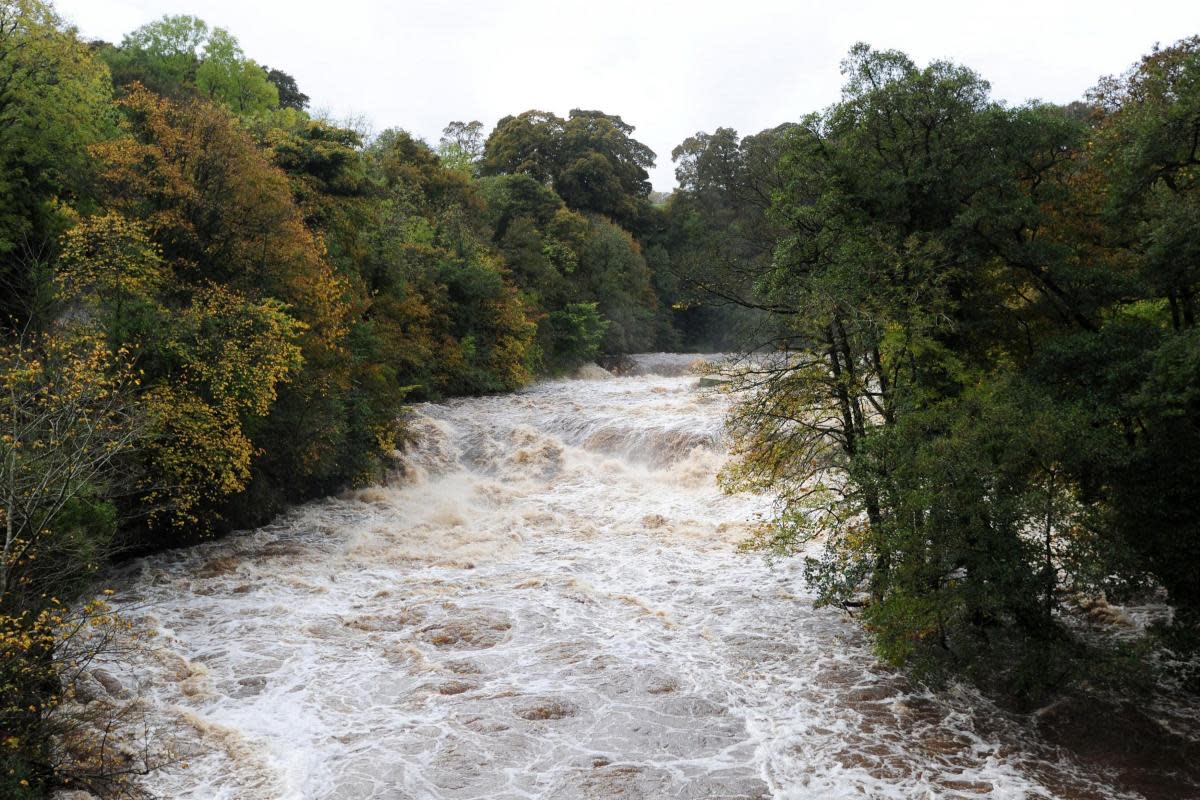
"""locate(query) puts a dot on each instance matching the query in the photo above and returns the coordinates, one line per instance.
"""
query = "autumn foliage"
(216, 305)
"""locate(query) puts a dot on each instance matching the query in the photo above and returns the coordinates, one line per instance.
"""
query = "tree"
(246, 276)
(290, 95)
(180, 55)
(913, 270)
(162, 55)
(225, 356)
(72, 420)
(53, 99)
(70, 417)
(525, 144)
(1142, 182)
(612, 270)
(218, 209)
(602, 167)
(443, 282)
(590, 159)
(461, 145)
(720, 236)
(227, 76)
(577, 334)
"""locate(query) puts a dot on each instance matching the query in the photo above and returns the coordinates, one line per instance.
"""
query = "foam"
(546, 599)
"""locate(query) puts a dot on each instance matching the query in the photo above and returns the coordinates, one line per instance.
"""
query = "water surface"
(548, 602)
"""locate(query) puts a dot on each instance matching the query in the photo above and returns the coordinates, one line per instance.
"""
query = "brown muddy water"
(548, 603)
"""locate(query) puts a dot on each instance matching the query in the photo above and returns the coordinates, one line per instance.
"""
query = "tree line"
(216, 303)
(975, 377)
(978, 393)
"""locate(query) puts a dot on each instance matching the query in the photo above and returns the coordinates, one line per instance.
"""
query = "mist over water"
(547, 601)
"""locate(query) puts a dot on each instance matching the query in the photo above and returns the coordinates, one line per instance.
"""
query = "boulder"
(592, 372)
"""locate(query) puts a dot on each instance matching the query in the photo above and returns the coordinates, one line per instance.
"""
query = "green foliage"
(576, 333)
(611, 268)
(461, 146)
(989, 362)
(161, 55)
(178, 55)
(590, 159)
(290, 95)
(54, 102)
(569, 200)
(227, 76)
(443, 283)
(719, 235)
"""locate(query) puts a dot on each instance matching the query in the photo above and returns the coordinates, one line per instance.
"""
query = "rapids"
(545, 601)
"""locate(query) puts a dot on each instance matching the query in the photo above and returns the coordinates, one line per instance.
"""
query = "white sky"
(669, 68)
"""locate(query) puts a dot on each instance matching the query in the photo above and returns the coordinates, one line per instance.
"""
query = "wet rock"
(374, 623)
(111, 684)
(546, 710)
(969, 787)
(484, 725)
(870, 694)
(662, 686)
(467, 634)
(591, 372)
(945, 745)
(221, 565)
(278, 550)
(455, 687)
(86, 688)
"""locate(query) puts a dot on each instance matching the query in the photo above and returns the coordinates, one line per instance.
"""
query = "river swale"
(547, 602)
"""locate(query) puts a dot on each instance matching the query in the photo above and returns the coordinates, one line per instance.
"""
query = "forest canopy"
(972, 361)
(981, 394)
(248, 295)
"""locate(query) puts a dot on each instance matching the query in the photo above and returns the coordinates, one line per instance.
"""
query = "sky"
(668, 68)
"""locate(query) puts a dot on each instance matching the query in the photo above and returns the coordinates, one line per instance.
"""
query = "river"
(546, 602)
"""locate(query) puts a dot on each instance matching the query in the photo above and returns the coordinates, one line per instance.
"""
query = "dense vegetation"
(216, 303)
(983, 391)
(977, 378)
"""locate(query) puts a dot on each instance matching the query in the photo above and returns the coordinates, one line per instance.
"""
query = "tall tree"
(290, 95)
(162, 55)
(227, 76)
(912, 270)
(461, 145)
(590, 159)
(53, 104)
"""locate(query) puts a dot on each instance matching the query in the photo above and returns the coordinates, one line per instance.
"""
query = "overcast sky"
(669, 68)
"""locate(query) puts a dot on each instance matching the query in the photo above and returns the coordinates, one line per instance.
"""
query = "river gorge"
(547, 600)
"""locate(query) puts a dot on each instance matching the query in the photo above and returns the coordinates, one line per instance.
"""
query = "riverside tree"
(985, 348)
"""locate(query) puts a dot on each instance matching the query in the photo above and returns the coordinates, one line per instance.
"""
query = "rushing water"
(546, 602)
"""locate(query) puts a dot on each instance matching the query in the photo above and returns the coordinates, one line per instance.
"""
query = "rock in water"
(592, 372)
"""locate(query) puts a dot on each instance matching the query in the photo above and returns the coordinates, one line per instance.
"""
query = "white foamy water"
(547, 603)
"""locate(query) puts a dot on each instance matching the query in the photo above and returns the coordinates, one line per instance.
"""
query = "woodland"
(970, 360)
